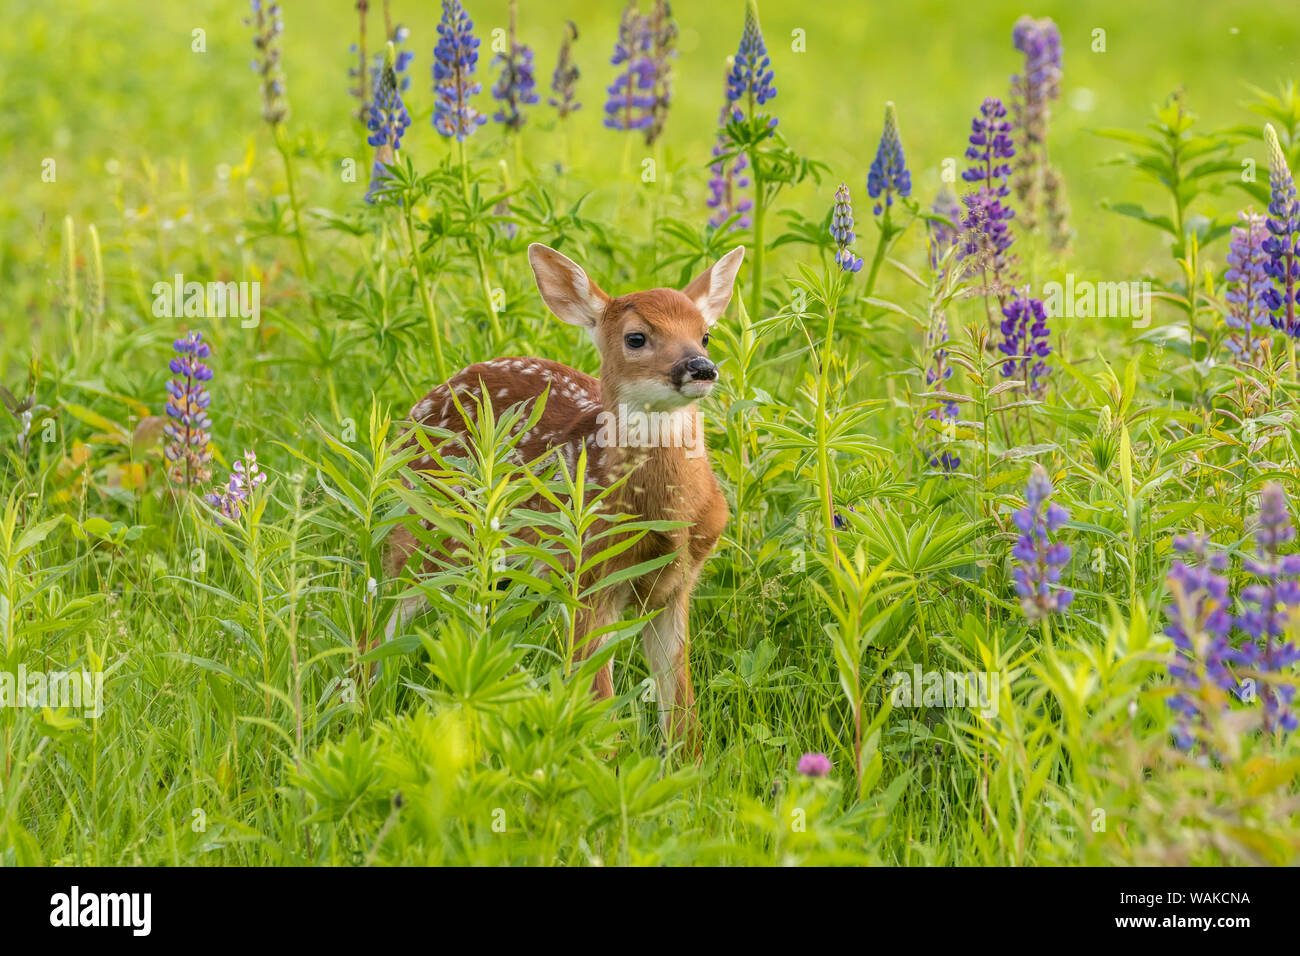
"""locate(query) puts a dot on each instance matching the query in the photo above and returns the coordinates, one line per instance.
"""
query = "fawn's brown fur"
(653, 362)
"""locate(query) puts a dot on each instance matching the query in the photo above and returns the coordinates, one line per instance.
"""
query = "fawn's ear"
(711, 289)
(565, 288)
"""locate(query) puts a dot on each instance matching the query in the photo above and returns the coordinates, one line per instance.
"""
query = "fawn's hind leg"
(667, 644)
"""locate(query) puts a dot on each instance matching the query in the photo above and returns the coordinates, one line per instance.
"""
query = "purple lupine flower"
(1033, 89)
(663, 48)
(943, 236)
(632, 94)
(842, 231)
(455, 59)
(1283, 244)
(516, 87)
(990, 148)
(888, 175)
(245, 476)
(564, 81)
(751, 70)
(815, 765)
(268, 25)
(1200, 624)
(1025, 332)
(1247, 279)
(387, 119)
(401, 66)
(937, 374)
(1266, 607)
(188, 431)
(1039, 559)
(727, 178)
(986, 236)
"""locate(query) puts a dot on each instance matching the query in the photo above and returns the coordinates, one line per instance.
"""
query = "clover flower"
(888, 174)
(1283, 244)
(631, 100)
(1247, 280)
(1025, 332)
(1040, 559)
(564, 81)
(188, 431)
(842, 231)
(726, 179)
(268, 26)
(387, 120)
(245, 476)
(815, 765)
(751, 70)
(455, 59)
(516, 87)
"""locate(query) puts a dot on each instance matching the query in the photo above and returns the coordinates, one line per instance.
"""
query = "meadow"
(1005, 424)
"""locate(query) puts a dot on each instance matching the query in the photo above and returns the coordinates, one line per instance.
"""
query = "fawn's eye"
(706, 340)
(634, 340)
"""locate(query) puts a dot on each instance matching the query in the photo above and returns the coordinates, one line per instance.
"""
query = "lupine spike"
(888, 175)
(1025, 334)
(842, 231)
(1283, 243)
(516, 87)
(188, 431)
(631, 99)
(455, 59)
(1247, 280)
(268, 27)
(245, 477)
(564, 81)
(751, 69)
(1039, 559)
(387, 120)
(728, 177)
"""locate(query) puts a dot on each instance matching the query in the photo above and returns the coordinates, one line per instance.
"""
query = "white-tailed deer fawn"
(654, 366)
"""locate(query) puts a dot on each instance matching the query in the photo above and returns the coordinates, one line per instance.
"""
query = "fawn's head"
(653, 345)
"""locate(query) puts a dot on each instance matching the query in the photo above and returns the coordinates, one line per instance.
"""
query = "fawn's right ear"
(565, 288)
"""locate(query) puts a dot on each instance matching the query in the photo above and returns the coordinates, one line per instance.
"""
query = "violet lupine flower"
(1283, 243)
(1266, 606)
(842, 231)
(1039, 559)
(1024, 331)
(1034, 88)
(268, 26)
(943, 236)
(663, 48)
(1200, 624)
(245, 476)
(387, 120)
(632, 94)
(815, 765)
(888, 175)
(455, 59)
(564, 81)
(516, 87)
(986, 235)
(401, 66)
(727, 179)
(188, 432)
(1247, 279)
(751, 70)
(937, 374)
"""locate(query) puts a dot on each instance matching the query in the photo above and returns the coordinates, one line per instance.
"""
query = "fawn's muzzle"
(697, 368)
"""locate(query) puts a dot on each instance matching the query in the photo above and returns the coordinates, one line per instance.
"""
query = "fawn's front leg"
(667, 645)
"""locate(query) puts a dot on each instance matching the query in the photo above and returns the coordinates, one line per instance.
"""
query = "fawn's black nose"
(701, 369)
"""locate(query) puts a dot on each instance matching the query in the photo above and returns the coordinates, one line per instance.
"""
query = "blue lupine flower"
(401, 66)
(516, 87)
(726, 179)
(1247, 280)
(1025, 332)
(387, 119)
(564, 81)
(888, 175)
(842, 231)
(188, 431)
(1040, 82)
(663, 48)
(751, 70)
(1040, 559)
(632, 94)
(245, 476)
(1283, 243)
(455, 59)
(268, 25)
(984, 226)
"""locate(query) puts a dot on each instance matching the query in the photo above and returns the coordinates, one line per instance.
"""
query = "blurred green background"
(114, 85)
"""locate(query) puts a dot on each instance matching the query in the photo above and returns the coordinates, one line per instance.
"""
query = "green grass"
(234, 728)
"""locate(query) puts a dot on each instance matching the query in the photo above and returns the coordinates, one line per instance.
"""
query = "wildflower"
(187, 406)
(751, 70)
(987, 237)
(663, 41)
(387, 119)
(1266, 604)
(1039, 559)
(455, 59)
(517, 85)
(632, 95)
(1037, 183)
(268, 26)
(1284, 236)
(1024, 330)
(564, 80)
(368, 80)
(842, 231)
(1247, 279)
(726, 178)
(888, 174)
(943, 235)
(990, 147)
(815, 765)
(245, 476)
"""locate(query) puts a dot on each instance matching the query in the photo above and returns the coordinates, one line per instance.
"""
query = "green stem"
(283, 147)
(478, 251)
(417, 264)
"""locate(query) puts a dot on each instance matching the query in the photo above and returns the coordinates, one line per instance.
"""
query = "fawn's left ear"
(711, 289)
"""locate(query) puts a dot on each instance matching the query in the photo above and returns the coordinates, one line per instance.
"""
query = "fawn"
(653, 363)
